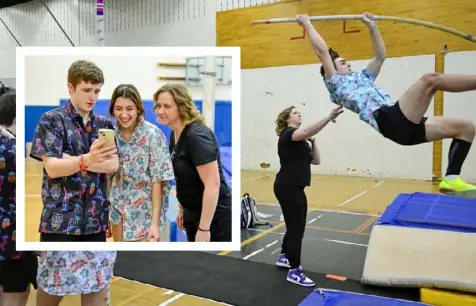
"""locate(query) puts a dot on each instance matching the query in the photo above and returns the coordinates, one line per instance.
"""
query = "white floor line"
(178, 296)
(378, 184)
(272, 243)
(137, 282)
(260, 250)
(275, 251)
(346, 242)
(255, 178)
(253, 254)
(315, 219)
(327, 210)
(353, 198)
(169, 292)
(348, 212)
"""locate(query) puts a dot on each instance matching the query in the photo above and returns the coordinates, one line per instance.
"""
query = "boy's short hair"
(84, 71)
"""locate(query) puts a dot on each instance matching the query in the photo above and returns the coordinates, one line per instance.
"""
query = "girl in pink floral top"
(140, 190)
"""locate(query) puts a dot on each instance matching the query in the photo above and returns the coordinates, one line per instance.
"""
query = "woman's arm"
(157, 194)
(210, 177)
(203, 151)
(311, 130)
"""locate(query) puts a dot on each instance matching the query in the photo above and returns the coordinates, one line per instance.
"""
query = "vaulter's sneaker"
(454, 185)
(296, 276)
(282, 261)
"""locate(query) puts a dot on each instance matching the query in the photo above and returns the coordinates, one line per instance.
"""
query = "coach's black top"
(295, 158)
(196, 146)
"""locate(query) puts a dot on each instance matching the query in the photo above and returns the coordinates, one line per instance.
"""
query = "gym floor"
(341, 213)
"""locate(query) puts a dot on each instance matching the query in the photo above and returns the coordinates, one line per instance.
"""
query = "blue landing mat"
(431, 211)
(341, 298)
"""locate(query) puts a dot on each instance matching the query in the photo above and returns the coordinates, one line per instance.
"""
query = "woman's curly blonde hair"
(187, 109)
(282, 120)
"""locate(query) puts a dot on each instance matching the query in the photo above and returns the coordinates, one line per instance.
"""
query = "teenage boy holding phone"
(75, 204)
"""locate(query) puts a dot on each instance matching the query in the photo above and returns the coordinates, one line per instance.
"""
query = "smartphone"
(108, 135)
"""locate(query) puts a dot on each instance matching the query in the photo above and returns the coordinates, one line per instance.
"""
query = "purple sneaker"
(296, 276)
(282, 261)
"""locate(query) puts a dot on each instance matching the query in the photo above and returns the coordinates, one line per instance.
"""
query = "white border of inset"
(22, 52)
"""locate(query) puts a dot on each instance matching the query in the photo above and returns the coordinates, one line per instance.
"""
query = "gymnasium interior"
(378, 230)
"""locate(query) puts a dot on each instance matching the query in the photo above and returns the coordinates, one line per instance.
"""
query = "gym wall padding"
(222, 118)
(225, 153)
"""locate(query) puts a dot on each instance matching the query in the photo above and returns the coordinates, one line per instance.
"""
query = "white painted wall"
(139, 71)
(461, 105)
(348, 147)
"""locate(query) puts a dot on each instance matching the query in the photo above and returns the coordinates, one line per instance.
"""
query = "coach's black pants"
(220, 229)
(293, 202)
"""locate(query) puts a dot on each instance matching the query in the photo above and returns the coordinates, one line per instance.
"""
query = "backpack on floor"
(249, 212)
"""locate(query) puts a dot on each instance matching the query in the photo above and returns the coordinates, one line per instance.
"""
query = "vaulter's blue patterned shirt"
(357, 92)
(77, 204)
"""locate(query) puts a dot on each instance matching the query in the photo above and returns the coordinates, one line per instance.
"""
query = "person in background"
(17, 269)
(140, 190)
(297, 151)
(76, 208)
(203, 194)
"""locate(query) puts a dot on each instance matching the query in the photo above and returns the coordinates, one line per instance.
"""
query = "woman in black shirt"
(296, 152)
(203, 194)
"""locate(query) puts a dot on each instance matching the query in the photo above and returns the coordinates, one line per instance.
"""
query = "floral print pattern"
(143, 160)
(75, 272)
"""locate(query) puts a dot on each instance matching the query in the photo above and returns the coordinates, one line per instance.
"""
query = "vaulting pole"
(431, 25)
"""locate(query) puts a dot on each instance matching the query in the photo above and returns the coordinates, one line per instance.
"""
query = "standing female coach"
(203, 194)
(296, 157)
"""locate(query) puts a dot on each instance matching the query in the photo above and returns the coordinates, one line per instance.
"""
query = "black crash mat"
(231, 280)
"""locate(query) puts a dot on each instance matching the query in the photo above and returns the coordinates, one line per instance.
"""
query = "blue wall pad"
(176, 235)
(431, 211)
(225, 153)
(222, 118)
(32, 117)
(341, 298)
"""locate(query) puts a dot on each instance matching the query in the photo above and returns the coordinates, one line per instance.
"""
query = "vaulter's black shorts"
(395, 126)
(16, 275)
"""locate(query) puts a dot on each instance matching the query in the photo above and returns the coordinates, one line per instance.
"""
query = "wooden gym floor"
(340, 193)
(129, 293)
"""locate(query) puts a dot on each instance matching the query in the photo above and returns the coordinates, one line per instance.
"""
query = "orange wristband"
(81, 164)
